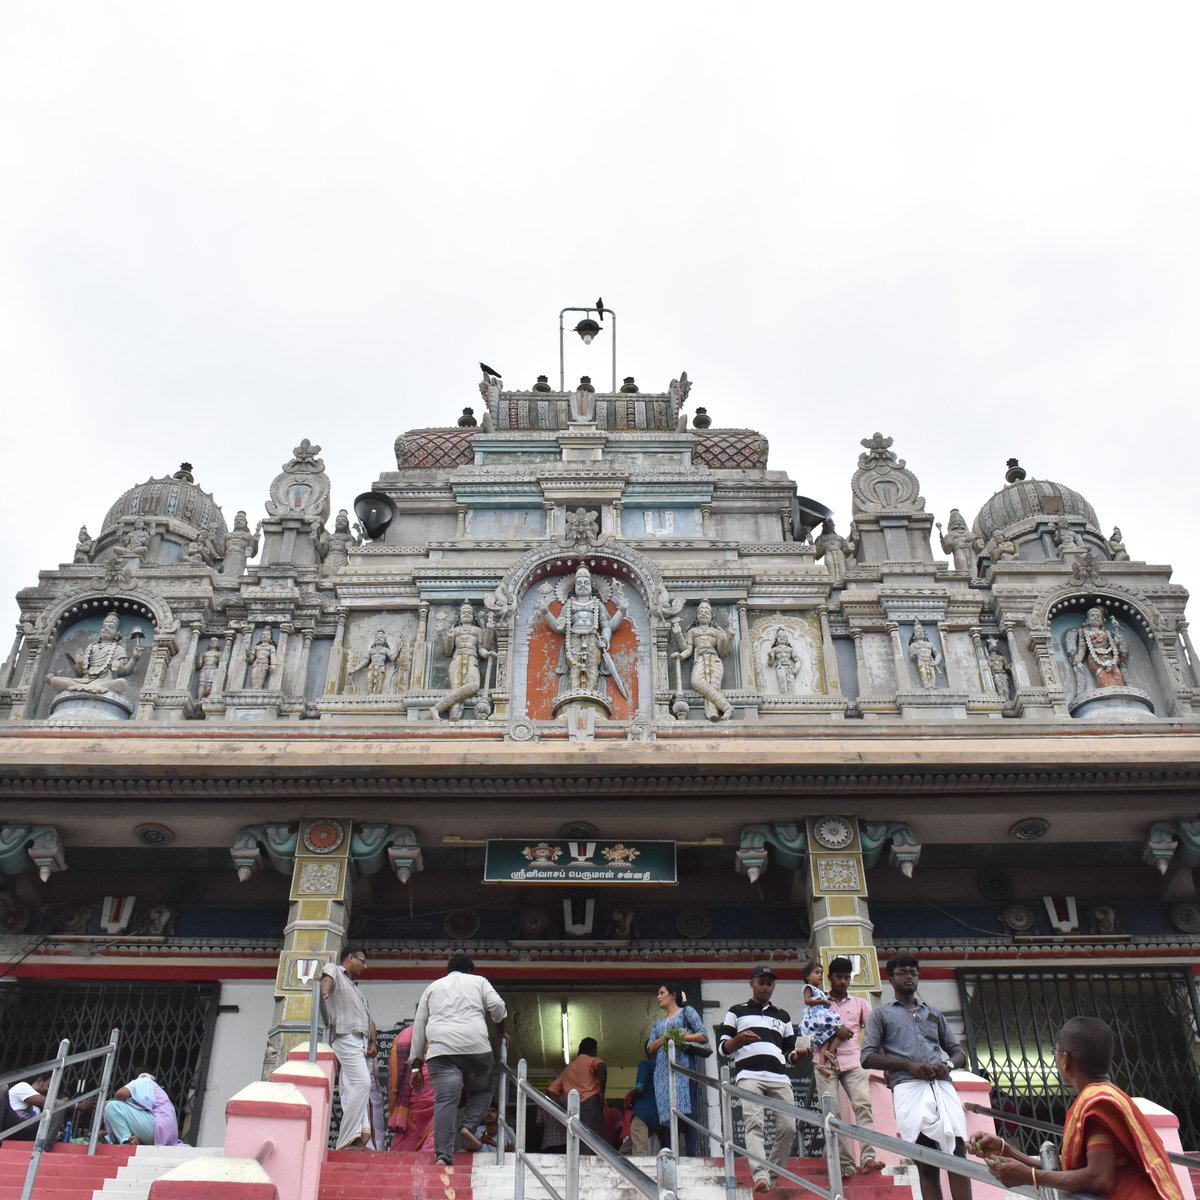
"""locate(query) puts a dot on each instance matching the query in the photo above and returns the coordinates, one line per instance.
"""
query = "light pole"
(587, 329)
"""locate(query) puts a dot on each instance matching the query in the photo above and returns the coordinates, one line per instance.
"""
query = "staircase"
(68, 1172)
(362, 1175)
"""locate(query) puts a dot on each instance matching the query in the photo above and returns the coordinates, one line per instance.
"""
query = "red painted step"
(66, 1172)
(371, 1175)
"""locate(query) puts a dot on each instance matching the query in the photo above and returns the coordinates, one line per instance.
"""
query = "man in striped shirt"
(760, 1039)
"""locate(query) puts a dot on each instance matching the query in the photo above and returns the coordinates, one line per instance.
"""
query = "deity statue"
(998, 665)
(925, 656)
(1092, 647)
(262, 660)
(208, 663)
(104, 663)
(705, 643)
(376, 660)
(958, 542)
(240, 545)
(1116, 546)
(137, 539)
(201, 549)
(587, 629)
(466, 643)
(338, 544)
(834, 549)
(781, 657)
(84, 546)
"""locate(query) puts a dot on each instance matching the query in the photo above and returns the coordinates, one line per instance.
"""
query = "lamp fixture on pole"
(587, 329)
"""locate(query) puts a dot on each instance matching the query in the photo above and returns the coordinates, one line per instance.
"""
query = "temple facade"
(588, 688)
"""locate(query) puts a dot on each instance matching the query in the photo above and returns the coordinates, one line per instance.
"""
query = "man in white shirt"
(352, 1036)
(450, 1036)
(26, 1100)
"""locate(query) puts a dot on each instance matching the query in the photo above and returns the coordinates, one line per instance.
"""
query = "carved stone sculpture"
(104, 664)
(208, 665)
(376, 661)
(262, 660)
(958, 542)
(705, 643)
(137, 539)
(1092, 647)
(925, 656)
(781, 658)
(587, 628)
(998, 666)
(338, 544)
(1116, 546)
(466, 643)
(201, 549)
(240, 545)
(834, 549)
(84, 546)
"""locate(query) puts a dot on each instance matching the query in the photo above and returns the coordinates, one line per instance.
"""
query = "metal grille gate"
(166, 1029)
(1011, 1018)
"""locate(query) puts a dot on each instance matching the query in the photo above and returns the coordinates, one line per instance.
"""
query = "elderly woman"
(141, 1114)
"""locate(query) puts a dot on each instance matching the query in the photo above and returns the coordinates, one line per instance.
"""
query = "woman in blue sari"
(677, 1014)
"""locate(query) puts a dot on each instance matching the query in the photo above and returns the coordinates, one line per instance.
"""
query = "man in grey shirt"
(911, 1041)
(352, 1036)
(450, 1036)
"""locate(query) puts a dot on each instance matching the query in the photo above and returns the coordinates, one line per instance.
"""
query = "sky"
(226, 227)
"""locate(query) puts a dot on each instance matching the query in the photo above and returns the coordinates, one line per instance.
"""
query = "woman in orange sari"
(410, 1114)
(1109, 1148)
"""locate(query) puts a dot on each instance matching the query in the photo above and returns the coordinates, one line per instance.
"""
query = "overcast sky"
(226, 227)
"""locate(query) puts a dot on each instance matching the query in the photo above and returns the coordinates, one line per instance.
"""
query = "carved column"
(10, 664)
(183, 679)
(501, 692)
(706, 526)
(860, 663)
(420, 649)
(785, 520)
(333, 673)
(318, 917)
(618, 511)
(223, 674)
(838, 913)
(302, 669)
(833, 682)
(1181, 628)
(745, 651)
(34, 645)
(1020, 675)
(985, 672)
(550, 521)
(1039, 643)
(275, 681)
(461, 513)
(953, 679)
(903, 680)
(236, 673)
(162, 646)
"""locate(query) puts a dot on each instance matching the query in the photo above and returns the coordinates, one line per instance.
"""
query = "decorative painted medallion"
(834, 833)
(324, 837)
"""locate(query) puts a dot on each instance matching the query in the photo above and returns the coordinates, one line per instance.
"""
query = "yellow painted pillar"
(837, 900)
(316, 930)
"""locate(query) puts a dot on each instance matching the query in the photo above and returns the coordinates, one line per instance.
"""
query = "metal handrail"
(661, 1189)
(1177, 1157)
(833, 1127)
(52, 1108)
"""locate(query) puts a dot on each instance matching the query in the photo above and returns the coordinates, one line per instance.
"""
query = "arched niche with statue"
(583, 634)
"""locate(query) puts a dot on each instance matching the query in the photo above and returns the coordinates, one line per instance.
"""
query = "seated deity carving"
(104, 664)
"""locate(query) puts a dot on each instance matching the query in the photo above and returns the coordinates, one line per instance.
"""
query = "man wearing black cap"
(760, 1039)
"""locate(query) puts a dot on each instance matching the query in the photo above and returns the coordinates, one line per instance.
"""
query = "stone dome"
(170, 498)
(1024, 499)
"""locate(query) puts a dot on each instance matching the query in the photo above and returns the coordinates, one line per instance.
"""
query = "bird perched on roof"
(490, 371)
(600, 307)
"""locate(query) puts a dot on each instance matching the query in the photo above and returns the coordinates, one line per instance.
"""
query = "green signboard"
(583, 862)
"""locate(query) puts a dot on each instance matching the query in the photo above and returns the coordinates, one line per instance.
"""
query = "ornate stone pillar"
(34, 644)
(745, 654)
(903, 680)
(549, 508)
(305, 651)
(460, 512)
(785, 521)
(236, 673)
(1040, 644)
(833, 681)
(954, 681)
(706, 527)
(223, 675)
(1020, 675)
(333, 673)
(183, 679)
(618, 511)
(10, 663)
(981, 664)
(420, 651)
(1181, 628)
(318, 917)
(860, 664)
(837, 898)
(275, 682)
